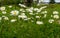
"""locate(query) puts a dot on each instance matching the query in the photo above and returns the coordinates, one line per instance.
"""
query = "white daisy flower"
(13, 20)
(6, 18)
(39, 22)
(51, 20)
(56, 16)
(35, 9)
(3, 12)
(55, 12)
(14, 12)
(29, 10)
(22, 16)
(31, 13)
(10, 6)
(44, 12)
(2, 8)
(22, 5)
(37, 16)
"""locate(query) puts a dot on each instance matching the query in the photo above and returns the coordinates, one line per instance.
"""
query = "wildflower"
(56, 16)
(13, 20)
(2, 8)
(55, 12)
(6, 18)
(10, 6)
(22, 5)
(14, 12)
(44, 12)
(37, 16)
(3, 12)
(51, 20)
(39, 22)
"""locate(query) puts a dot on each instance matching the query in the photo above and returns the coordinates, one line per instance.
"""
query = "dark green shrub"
(2, 2)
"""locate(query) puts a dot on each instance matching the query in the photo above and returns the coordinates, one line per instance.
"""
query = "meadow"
(37, 21)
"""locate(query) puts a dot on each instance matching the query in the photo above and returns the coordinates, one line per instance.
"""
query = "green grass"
(28, 29)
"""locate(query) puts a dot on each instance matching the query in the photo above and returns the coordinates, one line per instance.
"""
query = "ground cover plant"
(40, 21)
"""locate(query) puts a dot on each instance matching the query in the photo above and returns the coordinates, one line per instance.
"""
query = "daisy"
(29, 10)
(14, 12)
(10, 6)
(6, 18)
(13, 20)
(3, 12)
(39, 22)
(35, 9)
(51, 20)
(55, 12)
(22, 5)
(22, 16)
(56, 16)
(37, 16)
(2, 8)
(31, 13)
(44, 12)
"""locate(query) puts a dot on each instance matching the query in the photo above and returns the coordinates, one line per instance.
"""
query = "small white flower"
(51, 20)
(22, 16)
(55, 12)
(35, 9)
(2, 8)
(3, 12)
(44, 12)
(10, 6)
(39, 22)
(56, 16)
(13, 20)
(31, 13)
(6, 18)
(29, 10)
(37, 16)
(22, 5)
(14, 12)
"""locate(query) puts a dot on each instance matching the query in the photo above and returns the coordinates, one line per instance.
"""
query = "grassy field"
(31, 22)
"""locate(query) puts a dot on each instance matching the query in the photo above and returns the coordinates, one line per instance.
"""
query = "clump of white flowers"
(6, 18)
(51, 20)
(37, 16)
(14, 12)
(2, 8)
(3, 12)
(22, 16)
(13, 20)
(55, 12)
(29, 10)
(39, 22)
(40, 9)
(56, 16)
(44, 12)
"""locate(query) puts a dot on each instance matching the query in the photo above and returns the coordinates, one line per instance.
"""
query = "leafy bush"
(10, 1)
